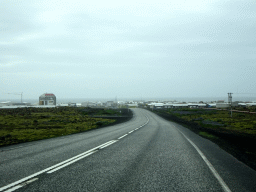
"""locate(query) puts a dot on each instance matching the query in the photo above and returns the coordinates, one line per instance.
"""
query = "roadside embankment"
(235, 135)
(122, 116)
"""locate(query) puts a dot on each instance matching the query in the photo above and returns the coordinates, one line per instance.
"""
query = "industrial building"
(176, 105)
(47, 99)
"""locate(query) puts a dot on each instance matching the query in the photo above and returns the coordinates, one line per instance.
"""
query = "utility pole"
(230, 103)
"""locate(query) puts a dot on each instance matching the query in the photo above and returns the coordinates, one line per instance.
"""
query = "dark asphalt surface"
(155, 157)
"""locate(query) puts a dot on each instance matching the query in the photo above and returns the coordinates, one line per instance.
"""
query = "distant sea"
(179, 99)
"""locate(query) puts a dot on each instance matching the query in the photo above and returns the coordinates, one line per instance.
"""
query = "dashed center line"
(122, 136)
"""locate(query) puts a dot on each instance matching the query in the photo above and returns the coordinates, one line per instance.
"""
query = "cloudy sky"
(108, 49)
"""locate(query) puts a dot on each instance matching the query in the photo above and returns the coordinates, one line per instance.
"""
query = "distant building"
(251, 105)
(47, 99)
(227, 105)
(156, 105)
(235, 103)
(109, 103)
(63, 105)
(132, 105)
(7, 103)
(88, 104)
(222, 105)
(75, 104)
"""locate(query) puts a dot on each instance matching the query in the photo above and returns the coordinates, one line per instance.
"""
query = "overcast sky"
(108, 49)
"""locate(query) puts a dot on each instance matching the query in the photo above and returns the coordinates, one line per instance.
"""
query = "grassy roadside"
(30, 124)
(236, 135)
(207, 135)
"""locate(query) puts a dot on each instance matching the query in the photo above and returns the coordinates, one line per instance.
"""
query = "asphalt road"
(147, 153)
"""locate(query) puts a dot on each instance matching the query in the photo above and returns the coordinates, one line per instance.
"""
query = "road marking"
(213, 170)
(70, 162)
(14, 188)
(108, 144)
(86, 155)
(21, 185)
(50, 168)
(136, 128)
(122, 136)
(17, 184)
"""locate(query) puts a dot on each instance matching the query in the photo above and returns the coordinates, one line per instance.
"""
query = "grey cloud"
(131, 50)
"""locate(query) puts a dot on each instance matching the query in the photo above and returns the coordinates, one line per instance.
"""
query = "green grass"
(30, 124)
(207, 135)
(240, 122)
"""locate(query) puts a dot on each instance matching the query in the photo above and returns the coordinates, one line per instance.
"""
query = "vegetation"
(236, 135)
(219, 119)
(101, 112)
(207, 135)
(30, 124)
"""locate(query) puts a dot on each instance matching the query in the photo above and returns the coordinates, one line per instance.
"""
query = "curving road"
(147, 153)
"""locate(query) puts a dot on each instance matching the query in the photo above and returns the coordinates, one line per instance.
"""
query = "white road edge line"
(21, 185)
(70, 162)
(50, 168)
(122, 136)
(213, 170)
(130, 131)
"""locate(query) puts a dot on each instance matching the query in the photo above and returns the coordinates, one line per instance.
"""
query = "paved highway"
(147, 153)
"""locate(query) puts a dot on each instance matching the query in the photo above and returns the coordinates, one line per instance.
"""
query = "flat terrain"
(29, 124)
(146, 153)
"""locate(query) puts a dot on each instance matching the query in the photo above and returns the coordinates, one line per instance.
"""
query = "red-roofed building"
(47, 99)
